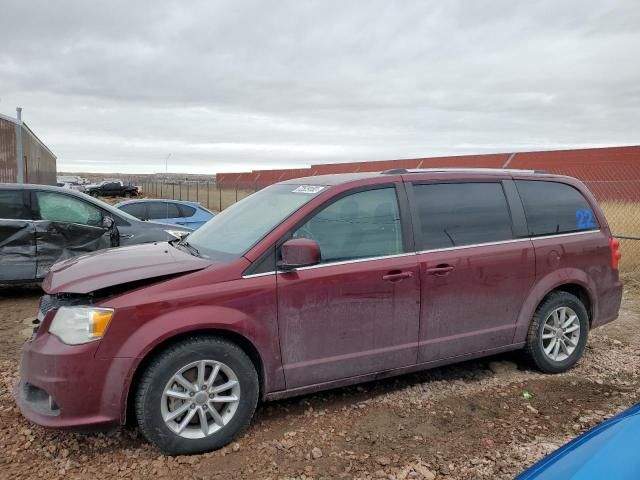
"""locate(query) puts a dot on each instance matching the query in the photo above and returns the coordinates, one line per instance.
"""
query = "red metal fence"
(613, 173)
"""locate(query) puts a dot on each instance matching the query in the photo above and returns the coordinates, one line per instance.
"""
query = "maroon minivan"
(316, 283)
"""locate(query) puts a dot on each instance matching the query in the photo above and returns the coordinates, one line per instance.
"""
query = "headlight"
(76, 325)
(177, 233)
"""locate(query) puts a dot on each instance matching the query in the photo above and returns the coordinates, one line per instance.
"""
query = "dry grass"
(624, 219)
(631, 282)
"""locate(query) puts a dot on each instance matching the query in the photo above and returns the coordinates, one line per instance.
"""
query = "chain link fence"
(208, 194)
(620, 200)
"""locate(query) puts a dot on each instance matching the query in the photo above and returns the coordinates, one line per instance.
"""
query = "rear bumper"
(65, 386)
(609, 305)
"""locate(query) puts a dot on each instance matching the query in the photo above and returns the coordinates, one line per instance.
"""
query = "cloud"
(236, 85)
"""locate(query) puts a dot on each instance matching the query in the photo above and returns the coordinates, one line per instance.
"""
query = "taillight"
(616, 254)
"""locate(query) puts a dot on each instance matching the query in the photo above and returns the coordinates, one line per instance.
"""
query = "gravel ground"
(468, 421)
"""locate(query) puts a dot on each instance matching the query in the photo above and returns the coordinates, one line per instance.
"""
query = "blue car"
(610, 450)
(177, 212)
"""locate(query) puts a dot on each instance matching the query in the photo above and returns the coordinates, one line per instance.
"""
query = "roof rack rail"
(400, 171)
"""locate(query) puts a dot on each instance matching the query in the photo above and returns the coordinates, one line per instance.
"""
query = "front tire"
(196, 396)
(558, 333)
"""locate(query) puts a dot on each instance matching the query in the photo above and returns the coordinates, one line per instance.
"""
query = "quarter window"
(552, 207)
(455, 214)
(56, 207)
(360, 225)
(187, 211)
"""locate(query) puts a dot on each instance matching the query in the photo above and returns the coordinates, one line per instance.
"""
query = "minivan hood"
(115, 266)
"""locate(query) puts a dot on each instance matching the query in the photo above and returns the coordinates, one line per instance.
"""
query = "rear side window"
(12, 205)
(138, 210)
(187, 211)
(158, 210)
(456, 214)
(552, 207)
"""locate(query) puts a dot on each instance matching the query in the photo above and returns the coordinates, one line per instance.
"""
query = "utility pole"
(166, 164)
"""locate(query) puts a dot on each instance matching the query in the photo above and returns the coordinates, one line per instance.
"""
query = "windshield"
(236, 229)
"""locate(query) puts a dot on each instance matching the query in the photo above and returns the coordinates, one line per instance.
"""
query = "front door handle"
(440, 270)
(396, 276)
(126, 235)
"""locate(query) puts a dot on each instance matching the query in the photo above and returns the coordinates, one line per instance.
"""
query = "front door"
(475, 274)
(357, 312)
(66, 226)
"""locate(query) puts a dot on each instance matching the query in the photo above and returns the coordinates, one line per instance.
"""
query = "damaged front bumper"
(65, 386)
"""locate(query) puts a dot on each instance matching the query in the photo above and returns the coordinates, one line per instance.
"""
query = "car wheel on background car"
(196, 396)
(558, 333)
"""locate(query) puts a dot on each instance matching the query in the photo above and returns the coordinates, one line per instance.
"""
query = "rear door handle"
(397, 276)
(440, 270)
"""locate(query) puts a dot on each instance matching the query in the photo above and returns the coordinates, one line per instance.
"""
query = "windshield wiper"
(190, 248)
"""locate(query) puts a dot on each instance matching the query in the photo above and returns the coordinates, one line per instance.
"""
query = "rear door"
(475, 270)
(357, 312)
(17, 237)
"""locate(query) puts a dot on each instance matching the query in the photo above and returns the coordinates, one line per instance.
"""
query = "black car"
(112, 188)
(40, 225)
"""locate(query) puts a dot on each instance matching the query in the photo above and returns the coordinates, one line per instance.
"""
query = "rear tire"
(558, 333)
(196, 396)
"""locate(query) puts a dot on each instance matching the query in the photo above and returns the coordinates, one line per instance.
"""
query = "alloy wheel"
(200, 399)
(560, 334)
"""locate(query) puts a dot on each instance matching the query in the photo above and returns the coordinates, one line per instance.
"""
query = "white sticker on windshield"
(308, 189)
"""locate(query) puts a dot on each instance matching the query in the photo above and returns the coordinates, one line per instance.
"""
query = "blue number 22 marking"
(585, 218)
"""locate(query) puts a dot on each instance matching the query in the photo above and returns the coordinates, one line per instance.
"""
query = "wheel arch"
(568, 280)
(127, 415)
(578, 291)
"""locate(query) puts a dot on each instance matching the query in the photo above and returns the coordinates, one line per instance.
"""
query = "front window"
(361, 225)
(56, 207)
(236, 229)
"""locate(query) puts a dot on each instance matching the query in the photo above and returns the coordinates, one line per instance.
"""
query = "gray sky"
(239, 85)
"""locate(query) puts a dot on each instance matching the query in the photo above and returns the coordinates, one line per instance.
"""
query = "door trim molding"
(420, 252)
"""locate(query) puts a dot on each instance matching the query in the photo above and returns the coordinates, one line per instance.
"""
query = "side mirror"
(107, 222)
(299, 252)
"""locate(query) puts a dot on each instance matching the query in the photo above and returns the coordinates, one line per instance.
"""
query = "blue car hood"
(610, 450)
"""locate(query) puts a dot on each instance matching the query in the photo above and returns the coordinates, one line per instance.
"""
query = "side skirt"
(344, 382)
